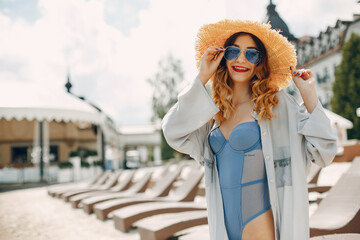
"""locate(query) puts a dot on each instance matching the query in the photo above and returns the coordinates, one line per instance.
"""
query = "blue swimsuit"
(242, 176)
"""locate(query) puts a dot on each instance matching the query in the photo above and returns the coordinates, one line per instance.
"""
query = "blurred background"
(84, 84)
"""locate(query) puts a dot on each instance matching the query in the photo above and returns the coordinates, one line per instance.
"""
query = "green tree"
(346, 87)
(165, 90)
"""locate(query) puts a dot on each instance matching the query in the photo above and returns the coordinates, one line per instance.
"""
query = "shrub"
(63, 165)
(97, 163)
(85, 164)
(74, 154)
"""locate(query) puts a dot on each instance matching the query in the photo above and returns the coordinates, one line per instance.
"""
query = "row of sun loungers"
(137, 201)
(162, 206)
(123, 183)
(138, 187)
(160, 189)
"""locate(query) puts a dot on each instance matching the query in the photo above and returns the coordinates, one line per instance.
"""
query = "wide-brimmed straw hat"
(280, 52)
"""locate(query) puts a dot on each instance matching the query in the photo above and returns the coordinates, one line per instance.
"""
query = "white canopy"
(341, 121)
(31, 101)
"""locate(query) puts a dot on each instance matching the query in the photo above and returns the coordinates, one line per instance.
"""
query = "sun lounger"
(124, 182)
(125, 217)
(336, 169)
(73, 186)
(313, 174)
(331, 174)
(163, 226)
(186, 192)
(161, 188)
(53, 189)
(158, 175)
(137, 187)
(344, 236)
(110, 182)
(355, 166)
(312, 179)
(97, 184)
(339, 211)
(201, 189)
(194, 233)
(317, 188)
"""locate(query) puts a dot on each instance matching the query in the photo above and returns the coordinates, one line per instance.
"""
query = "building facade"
(321, 54)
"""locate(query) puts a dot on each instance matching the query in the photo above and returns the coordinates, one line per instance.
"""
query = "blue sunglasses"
(252, 55)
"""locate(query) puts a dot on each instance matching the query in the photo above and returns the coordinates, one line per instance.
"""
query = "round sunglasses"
(252, 55)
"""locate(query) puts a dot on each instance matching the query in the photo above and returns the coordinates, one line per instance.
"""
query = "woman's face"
(240, 69)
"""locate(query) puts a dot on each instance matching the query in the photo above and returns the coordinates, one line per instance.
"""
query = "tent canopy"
(31, 101)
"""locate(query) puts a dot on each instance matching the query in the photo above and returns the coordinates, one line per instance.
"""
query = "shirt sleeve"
(320, 141)
(185, 125)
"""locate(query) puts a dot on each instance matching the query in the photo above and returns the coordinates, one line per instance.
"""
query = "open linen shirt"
(290, 141)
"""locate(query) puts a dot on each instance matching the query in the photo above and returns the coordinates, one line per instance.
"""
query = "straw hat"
(281, 53)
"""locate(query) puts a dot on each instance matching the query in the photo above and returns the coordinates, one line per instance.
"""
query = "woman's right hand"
(209, 62)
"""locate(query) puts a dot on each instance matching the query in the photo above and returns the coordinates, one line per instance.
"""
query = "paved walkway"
(32, 214)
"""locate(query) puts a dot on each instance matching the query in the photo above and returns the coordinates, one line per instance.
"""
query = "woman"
(254, 140)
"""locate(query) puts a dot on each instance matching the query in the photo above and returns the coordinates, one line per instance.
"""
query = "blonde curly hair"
(262, 93)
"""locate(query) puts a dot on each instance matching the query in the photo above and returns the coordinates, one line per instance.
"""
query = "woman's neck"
(241, 93)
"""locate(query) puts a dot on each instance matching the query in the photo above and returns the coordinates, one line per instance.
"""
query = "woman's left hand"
(305, 81)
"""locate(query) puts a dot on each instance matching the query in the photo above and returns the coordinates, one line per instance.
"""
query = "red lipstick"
(240, 69)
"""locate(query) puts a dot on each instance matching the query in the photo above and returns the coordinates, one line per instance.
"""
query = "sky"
(110, 48)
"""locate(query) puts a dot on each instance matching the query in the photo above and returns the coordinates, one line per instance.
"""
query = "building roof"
(277, 22)
(138, 129)
(341, 121)
(31, 101)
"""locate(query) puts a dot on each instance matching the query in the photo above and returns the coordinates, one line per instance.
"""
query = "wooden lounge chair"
(72, 186)
(316, 186)
(55, 190)
(97, 184)
(124, 182)
(355, 166)
(125, 217)
(140, 186)
(110, 182)
(194, 233)
(312, 179)
(339, 168)
(344, 236)
(160, 189)
(179, 201)
(339, 212)
(137, 187)
(158, 175)
(313, 174)
(163, 226)
(201, 189)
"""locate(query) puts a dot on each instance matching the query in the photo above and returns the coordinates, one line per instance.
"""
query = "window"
(54, 153)
(22, 154)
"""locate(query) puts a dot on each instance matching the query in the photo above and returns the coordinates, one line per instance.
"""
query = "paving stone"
(33, 215)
